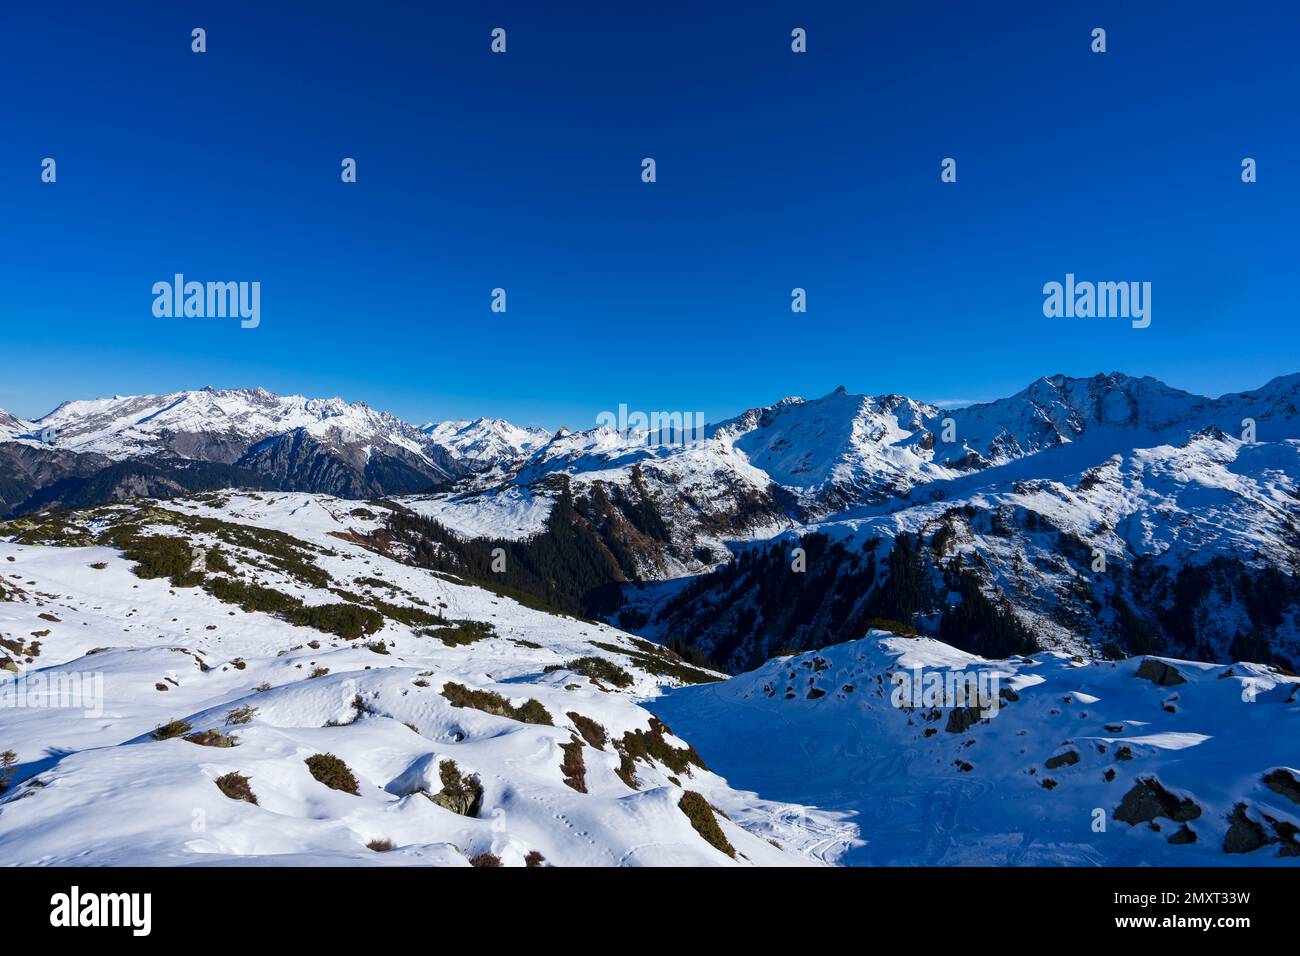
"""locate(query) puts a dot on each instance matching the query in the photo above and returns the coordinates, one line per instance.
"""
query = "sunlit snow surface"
(854, 750)
(93, 788)
(802, 779)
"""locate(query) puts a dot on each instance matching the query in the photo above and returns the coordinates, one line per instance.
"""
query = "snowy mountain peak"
(188, 422)
(11, 426)
(485, 440)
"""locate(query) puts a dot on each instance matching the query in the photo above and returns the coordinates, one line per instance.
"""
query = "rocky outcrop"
(1284, 782)
(1159, 673)
(1244, 834)
(1148, 800)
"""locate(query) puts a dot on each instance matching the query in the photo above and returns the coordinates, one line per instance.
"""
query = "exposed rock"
(961, 719)
(459, 794)
(1158, 672)
(1184, 834)
(1244, 834)
(1288, 834)
(1283, 782)
(1148, 800)
(1067, 759)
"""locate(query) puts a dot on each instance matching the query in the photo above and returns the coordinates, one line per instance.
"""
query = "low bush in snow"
(333, 772)
(460, 634)
(596, 669)
(573, 766)
(173, 728)
(211, 738)
(459, 794)
(7, 761)
(530, 712)
(236, 787)
(652, 745)
(241, 715)
(700, 813)
(591, 731)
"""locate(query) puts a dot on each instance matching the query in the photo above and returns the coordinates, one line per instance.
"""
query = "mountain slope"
(1080, 764)
(289, 442)
(1190, 550)
(262, 638)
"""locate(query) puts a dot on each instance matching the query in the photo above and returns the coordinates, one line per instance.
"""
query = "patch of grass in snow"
(591, 731)
(651, 745)
(460, 793)
(530, 712)
(173, 728)
(410, 616)
(348, 621)
(158, 556)
(700, 813)
(236, 787)
(212, 738)
(573, 767)
(485, 860)
(333, 772)
(217, 562)
(8, 760)
(56, 528)
(242, 714)
(661, 663)
(286, 553)
(136, 531)
(460, 634)
(596, 669)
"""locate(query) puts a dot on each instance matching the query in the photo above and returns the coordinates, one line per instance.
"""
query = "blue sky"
(522, 171)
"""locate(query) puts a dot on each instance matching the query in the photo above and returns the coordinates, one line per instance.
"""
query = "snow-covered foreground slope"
(1074, 749)
(570, 764)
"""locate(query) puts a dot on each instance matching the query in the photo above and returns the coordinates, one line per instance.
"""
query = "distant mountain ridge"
(998, 510)
(790, 461)
(290, 442)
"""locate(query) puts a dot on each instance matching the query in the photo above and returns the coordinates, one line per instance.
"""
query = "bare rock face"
(1283, 782)
(1244, 834)
(1159, 673)
(1148, 800)
(961, 719)
(1066, 759)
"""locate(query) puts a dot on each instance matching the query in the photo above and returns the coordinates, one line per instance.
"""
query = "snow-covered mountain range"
(251, 437)
(1111, 514)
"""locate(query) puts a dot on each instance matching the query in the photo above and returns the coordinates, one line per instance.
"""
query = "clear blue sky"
(775, 170)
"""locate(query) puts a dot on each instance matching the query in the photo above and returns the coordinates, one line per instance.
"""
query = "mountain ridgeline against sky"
(1105, 516)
